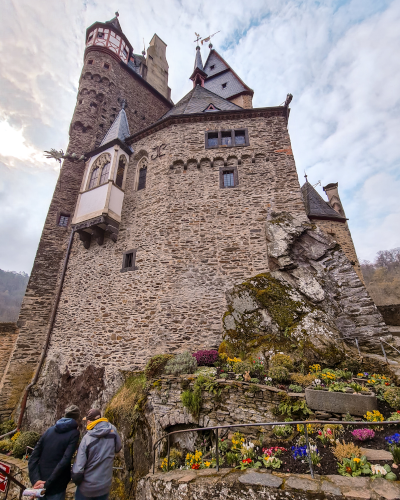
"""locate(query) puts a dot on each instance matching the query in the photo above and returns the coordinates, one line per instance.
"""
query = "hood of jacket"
(65, 425)
(101, 429)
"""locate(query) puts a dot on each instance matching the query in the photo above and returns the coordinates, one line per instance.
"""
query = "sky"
(339, 59)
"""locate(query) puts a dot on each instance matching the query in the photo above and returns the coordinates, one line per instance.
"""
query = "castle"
(165, 214)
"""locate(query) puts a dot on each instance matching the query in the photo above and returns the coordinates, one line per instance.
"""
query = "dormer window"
(211, 107)
(212, 67)
(224, 85)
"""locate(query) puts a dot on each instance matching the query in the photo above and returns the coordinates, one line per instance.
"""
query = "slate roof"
(316, 206)
(118, 130)
(114, 21)
(135, 61)
(197, 100)
(222, 73)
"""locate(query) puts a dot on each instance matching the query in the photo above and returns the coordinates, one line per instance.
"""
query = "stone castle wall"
(341, 233)
(8, 338)
(98, 101)
(194, 241)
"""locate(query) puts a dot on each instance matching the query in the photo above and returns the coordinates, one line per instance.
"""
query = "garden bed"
(340, 402)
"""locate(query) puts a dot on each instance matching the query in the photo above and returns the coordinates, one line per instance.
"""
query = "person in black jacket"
(50, 462)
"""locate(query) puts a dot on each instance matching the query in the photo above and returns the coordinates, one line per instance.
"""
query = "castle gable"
(118, 130)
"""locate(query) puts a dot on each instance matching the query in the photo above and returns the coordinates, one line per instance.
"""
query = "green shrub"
(242, 367)
(282, 431)
(180, 364)
(223, 375)
(281, 360)
(279, 373)
(254, 381)
(6, 445)
(392, 397)
(25, 439)
(192, 400)
(155, 365)
(7, 426)
(295, 388)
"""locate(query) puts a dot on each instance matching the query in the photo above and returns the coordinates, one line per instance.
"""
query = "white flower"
(268, 379)
(376, 469)
(317, 381)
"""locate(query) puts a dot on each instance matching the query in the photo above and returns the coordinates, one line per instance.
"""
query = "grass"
(129, 399)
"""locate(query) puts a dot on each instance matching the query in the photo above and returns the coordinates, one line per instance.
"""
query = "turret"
(109, 37)
(199, 75)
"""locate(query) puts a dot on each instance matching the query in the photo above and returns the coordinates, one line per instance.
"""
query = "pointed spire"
(198, 75)
(119, 128)
(198, 63)
(114, 21)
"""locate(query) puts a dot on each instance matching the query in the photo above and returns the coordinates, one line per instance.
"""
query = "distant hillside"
(12, 291)
(382, 277)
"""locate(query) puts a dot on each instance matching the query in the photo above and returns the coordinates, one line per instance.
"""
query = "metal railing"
(12, 478)
(264, 424)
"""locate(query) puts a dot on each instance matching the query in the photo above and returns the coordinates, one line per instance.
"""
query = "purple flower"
(205, 358)
(363, 434)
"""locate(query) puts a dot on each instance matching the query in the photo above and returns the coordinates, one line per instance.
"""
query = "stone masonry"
(99, 98)
(8, 338)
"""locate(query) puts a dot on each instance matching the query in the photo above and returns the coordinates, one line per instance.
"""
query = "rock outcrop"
(312, 302)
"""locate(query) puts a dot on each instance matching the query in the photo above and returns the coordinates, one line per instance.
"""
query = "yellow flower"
(207, 464)
(356, 460)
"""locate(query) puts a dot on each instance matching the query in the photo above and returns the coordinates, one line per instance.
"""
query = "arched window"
(142, 173)
(120, 171)
(104, 174)
(93, 178)
(99, 171)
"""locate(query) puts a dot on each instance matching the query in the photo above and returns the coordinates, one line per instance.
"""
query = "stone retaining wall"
(236, 405)
(230, 484)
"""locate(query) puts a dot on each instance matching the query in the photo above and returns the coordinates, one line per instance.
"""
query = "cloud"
(338, 58)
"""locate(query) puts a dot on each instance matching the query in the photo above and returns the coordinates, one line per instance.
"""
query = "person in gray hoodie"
(92, 470)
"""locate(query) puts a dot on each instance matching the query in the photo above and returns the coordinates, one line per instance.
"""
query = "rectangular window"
(212, 139)
(240, 137)
(90, 61)
(63, 220)
(100, 35)
(226, 138)
(106, 66)
(128, 261)
(228, 177)
(125, 52)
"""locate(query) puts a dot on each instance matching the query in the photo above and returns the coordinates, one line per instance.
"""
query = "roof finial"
(210, 45)
(305, 175)
(117, 14)
(144, 48)
(123, 103)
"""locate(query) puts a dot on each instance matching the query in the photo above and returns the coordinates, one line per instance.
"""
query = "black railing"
(265, 424)
(12, 478)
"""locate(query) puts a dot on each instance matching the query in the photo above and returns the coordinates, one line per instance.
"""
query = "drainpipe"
(48, 337)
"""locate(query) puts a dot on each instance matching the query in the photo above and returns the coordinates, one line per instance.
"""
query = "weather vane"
(58, 155)
(207, 39)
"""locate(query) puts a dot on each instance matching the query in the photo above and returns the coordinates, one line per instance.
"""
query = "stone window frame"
(102, 160)
(126, 161)
(132, 267)
(142, 163)
(232, 131)
(222, 170)
(63, 213)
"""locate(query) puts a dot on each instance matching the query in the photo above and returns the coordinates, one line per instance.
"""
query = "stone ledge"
(231, 484)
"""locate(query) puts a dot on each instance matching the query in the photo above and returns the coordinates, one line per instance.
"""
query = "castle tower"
(331, 218)
(110, 77)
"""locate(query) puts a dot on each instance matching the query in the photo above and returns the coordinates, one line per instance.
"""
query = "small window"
(142, 178)
(128, 261)
(125, 52)
(212, 67)
(90, 61)
(212, 139)
(80, 101)
(240, 137)
(120, 172)
(93, 178)
(100, 35)
(63, 220)
(226, 138)
(224, 85)
(228, 177)
(104, 173)
(106, 66)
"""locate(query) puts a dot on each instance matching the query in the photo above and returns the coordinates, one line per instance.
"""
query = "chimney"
(332, 193)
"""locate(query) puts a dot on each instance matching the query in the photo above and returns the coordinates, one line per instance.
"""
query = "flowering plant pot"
(340, 402)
